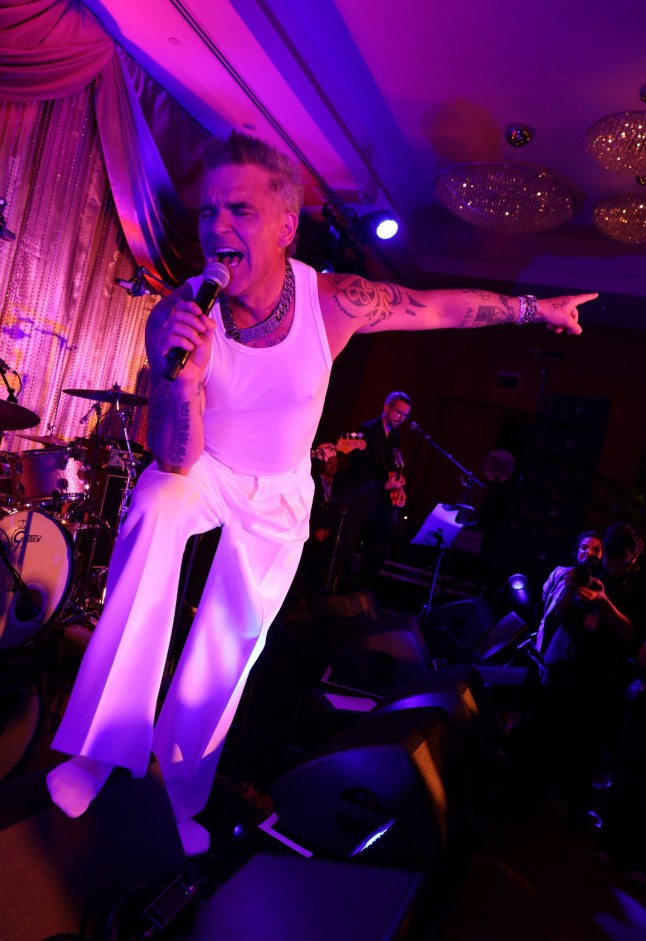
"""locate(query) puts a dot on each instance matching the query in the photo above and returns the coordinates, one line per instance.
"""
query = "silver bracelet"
(527, 309)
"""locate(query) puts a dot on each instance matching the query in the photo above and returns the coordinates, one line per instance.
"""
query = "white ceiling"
(377, 97)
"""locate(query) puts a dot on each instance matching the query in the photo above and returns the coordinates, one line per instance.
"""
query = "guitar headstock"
(352, 442)
(349, 443)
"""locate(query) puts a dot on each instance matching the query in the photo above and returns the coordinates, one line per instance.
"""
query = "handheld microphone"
(216, 278)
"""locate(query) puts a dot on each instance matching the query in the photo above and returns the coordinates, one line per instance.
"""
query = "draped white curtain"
(64, 324)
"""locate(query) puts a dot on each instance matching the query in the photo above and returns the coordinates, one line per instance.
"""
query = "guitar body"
(398, 494)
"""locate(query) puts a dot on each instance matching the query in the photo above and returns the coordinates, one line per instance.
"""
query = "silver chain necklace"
(266, 326)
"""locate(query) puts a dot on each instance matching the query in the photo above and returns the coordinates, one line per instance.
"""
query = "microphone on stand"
(420, 431)
(96, 407)
(216, 278)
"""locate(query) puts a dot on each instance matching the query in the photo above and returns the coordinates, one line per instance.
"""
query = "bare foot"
(74, 784)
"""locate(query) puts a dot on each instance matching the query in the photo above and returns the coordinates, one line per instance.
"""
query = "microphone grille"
(216, 271)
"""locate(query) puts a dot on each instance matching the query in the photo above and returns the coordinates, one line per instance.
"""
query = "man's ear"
(288, 229)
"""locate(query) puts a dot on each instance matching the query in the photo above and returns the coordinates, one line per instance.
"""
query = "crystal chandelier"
(622, 217)
(507, 198)
(618, 142)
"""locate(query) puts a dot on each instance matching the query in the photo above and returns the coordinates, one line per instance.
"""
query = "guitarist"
(374, 486)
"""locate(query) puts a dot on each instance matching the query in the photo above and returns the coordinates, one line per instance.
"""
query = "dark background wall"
(477, 390)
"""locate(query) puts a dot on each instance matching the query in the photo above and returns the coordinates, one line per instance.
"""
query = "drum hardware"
(14, 416)
(90, 579)
(47, 476)
(29, 603)
(47, 440)
(117, 398)
(35, 575)
(114, 396)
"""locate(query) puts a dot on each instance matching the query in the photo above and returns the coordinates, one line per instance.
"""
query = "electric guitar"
(397, 496)
(344, 445)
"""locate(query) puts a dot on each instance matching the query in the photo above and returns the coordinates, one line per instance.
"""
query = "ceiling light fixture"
(618, 141)
(511, 199)
(508, 198)
(622, 218)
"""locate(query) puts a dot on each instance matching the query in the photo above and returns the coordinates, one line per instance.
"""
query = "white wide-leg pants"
(111, 712)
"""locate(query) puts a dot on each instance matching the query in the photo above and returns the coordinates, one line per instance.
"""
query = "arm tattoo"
(182, 434)
(494, 313)
(373, 302)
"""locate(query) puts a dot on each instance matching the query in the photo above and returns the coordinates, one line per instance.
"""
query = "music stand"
(439, 529)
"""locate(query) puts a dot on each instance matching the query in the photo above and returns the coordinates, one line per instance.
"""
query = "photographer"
(588, 550)
(600, 625)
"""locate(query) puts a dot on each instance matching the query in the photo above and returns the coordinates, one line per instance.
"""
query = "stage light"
(517, 582)
(379, 224)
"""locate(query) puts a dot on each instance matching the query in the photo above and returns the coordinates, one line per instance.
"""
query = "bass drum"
(40, 551)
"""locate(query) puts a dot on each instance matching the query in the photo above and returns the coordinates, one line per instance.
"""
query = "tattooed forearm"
(373, 302)
(182, 432)
(175, 434)
(487, 314)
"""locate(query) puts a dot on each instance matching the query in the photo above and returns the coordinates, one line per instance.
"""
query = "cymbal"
(14, 416)
(113, 395)
(51, 440)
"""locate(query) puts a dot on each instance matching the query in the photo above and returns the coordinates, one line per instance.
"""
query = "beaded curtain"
(64, 324)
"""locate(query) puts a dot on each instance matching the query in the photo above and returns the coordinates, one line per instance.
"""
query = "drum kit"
(56, 517)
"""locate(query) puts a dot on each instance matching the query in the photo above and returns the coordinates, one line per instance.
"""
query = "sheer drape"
(64, 323)
(97, 164)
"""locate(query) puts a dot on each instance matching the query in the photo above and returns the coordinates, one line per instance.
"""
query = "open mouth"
(229, 256)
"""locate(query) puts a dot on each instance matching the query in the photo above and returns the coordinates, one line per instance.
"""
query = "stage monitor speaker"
(65, 877)
(331, 621)
(377, 791)
(498, 642)
(459, 691)
(286, 898)
(460, 623)
(388, 655)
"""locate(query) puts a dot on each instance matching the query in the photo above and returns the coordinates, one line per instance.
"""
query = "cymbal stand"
(131, 470)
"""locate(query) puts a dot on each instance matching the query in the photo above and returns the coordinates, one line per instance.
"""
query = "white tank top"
(263, 405)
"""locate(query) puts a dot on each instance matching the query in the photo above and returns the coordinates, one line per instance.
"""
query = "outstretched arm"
(355, 305)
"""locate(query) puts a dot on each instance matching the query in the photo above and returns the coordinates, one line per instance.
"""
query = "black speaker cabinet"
(378, 790)
(460, 623)
(389, 654)
(285, 898)
(64, 877)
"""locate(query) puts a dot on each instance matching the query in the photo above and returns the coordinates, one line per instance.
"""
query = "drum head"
(35, 574)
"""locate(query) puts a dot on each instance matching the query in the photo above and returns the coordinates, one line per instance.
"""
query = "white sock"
(74, 784)
(195, 838)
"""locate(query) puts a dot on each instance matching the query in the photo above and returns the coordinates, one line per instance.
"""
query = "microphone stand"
(19, 587)
(131, 470)
(11, 397)
(469, 475)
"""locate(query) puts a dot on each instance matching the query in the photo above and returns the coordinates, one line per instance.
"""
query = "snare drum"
(47, 476)
(41, 552)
